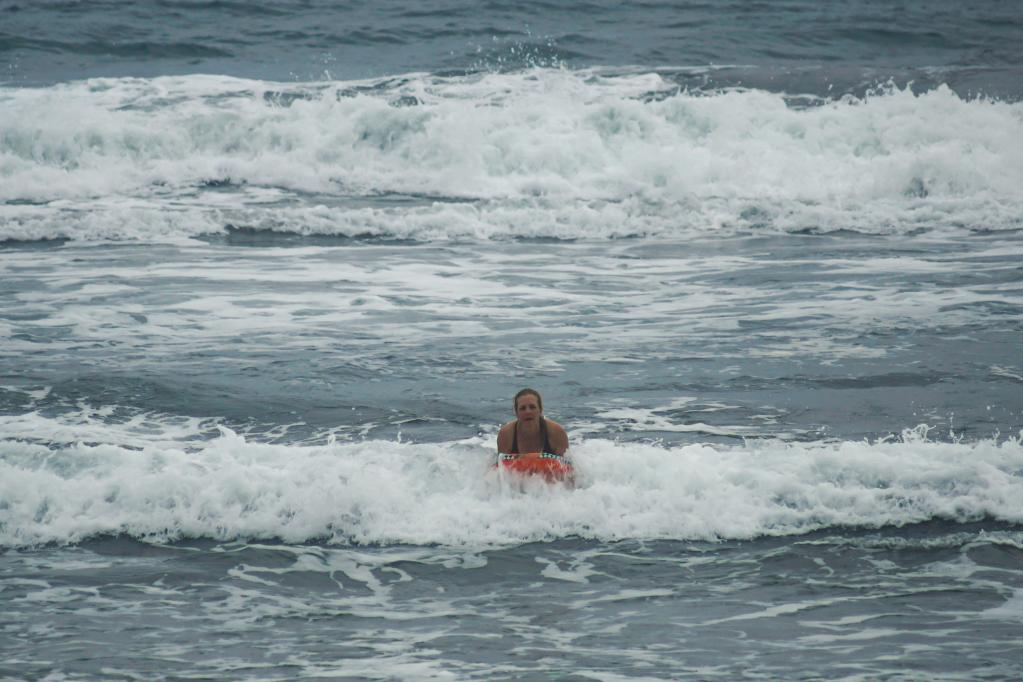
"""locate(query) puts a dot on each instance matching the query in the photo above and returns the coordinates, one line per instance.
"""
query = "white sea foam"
(543, 152)
(204, 297)
(1011, 610)
(142, 483)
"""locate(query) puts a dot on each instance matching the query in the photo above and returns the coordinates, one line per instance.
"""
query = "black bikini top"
(543, 430)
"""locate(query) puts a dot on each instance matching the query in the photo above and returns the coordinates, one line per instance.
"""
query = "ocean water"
(271, 272)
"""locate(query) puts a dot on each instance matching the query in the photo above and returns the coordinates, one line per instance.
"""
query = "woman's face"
(527, 407)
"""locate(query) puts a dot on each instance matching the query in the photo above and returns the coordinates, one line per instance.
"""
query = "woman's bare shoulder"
(551, 424)
(504, 437)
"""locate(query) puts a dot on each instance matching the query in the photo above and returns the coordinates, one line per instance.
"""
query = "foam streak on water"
(852, 605)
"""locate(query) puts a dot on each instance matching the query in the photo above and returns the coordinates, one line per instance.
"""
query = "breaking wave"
(544, 152)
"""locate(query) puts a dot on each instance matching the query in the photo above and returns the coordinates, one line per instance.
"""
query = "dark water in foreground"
(931, 601)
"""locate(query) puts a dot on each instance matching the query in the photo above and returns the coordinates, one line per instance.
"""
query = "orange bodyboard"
(551, 467)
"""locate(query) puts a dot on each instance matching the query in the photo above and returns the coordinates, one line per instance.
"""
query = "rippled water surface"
(929, 600)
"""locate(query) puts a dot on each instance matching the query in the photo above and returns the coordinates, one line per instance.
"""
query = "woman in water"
(530, 432)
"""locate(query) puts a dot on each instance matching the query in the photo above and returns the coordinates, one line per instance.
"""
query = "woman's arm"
(504, 438)
(557, 437)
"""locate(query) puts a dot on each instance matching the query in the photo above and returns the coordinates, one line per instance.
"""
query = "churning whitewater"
(168, 484)
(541, 153)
